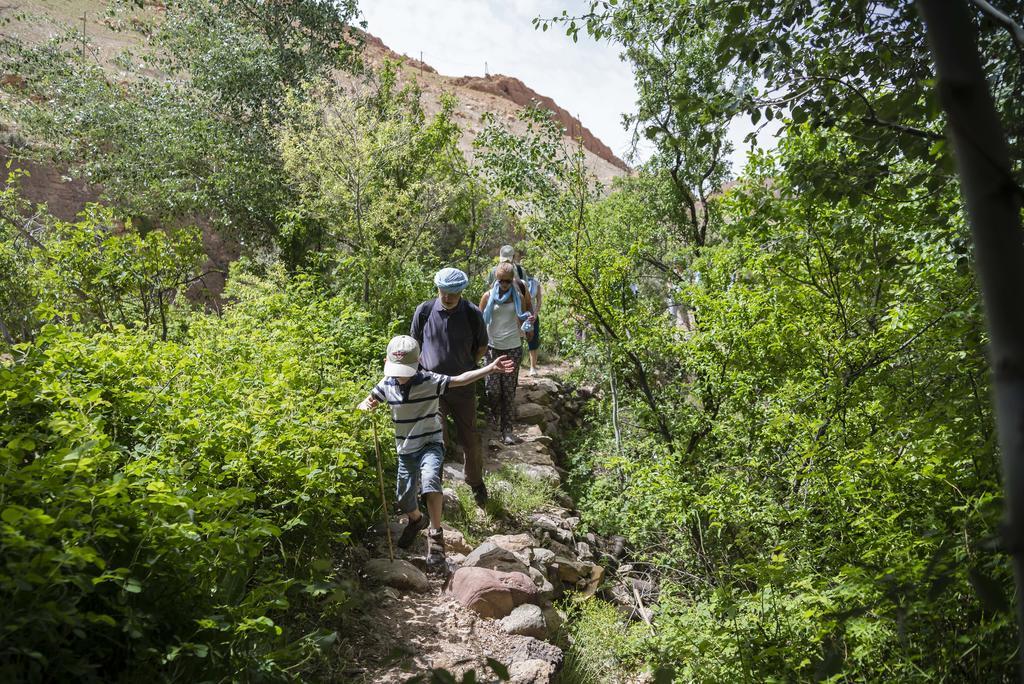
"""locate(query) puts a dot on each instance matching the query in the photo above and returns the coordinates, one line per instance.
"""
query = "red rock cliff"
(515, 90)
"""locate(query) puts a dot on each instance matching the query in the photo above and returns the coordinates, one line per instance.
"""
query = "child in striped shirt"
(413, 397)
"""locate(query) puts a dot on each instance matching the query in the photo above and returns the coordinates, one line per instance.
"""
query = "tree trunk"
(993, 209)
(6, 334)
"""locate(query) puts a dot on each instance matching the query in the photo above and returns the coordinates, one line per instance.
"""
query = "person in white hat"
(413, 395)
(507, 254)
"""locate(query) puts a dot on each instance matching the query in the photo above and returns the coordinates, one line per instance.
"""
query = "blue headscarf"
(498, 298)
(451, 280)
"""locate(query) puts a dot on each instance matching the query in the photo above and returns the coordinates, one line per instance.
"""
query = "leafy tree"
(843, 487)
(376, 178)
(18, 238)
(594, 261)
(834, 322)
(96, 272)
(198, 139)
(685, 97)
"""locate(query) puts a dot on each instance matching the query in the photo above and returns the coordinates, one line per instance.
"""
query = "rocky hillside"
(502, 94)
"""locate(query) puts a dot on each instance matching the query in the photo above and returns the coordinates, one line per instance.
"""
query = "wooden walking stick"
(383, 497)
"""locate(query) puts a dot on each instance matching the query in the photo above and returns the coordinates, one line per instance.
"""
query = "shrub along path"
(508, 563)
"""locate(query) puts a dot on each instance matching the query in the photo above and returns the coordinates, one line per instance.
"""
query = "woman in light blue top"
(508, 313)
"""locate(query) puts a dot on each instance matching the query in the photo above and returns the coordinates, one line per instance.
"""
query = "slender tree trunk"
(163, 314)
(993, 208)
(472, 229)
(6, 334)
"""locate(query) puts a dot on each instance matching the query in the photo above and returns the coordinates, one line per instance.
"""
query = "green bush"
(828, 505)
(164, 503)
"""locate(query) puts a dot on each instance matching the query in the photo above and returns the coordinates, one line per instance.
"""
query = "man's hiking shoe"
(480, 494)
(508, 438)
(411, 530)
(435, 550)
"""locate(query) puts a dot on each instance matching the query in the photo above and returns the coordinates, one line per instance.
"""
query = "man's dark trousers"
(460, 404)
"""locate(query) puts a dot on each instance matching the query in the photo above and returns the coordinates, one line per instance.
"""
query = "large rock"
(491, 593)
(513, 542)
(540, 397)
(570, 570)
(535, 649)
(494, 557)
(545, 590)
(560, 549)
(541, 558)
(554, 619)
(399, 574)
(540, 472)
(556, 527)
(452, 506)
(525, 620)
(532, 433)
(455, 541)
(546, 385)
(531, 414)
(527, 452)
(594, 581)
(534, 671)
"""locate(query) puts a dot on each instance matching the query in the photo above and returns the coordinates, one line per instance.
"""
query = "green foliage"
(98, 271)
(376, 179)
(824, 497)
(17, 297)
(833, 508)
(608, 256)
(249, 54)
(200, 139)
(512, 496)
(167, 504)
(605, 647)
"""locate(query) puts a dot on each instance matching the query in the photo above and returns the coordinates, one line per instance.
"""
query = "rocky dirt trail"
(498, 601)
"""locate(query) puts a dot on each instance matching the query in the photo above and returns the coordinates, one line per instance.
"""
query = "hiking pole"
(380, 480)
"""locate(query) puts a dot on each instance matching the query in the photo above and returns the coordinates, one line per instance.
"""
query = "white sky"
(457, 37)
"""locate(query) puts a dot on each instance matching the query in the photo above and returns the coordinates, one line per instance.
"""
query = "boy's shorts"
(419, 472)
(534, 342)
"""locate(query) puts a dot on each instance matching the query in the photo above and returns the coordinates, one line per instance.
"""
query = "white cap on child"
(403, 357)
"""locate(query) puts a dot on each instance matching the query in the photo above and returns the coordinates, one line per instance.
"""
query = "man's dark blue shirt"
(448, 339)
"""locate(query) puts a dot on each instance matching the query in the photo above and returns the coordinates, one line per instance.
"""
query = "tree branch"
(1016, 32)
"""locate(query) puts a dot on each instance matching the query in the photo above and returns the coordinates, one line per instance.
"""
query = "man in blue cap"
(453, 338)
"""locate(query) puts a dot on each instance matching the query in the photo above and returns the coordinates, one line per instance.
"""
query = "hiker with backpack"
(507, 254)
(414, 395)
(453, 338)
(533, 342)
(508, 313)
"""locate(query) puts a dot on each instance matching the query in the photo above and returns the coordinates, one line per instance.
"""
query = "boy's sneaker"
(435, 549)
(533, 371)
(411, 530)
(480, 494)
